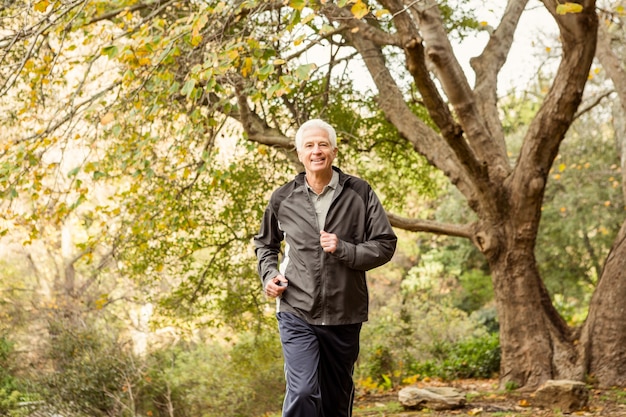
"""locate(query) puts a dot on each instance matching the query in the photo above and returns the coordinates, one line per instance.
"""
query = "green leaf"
(110, 51)
(188, 87)
(304, 71)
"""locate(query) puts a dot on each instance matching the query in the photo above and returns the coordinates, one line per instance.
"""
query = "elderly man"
(335, 229)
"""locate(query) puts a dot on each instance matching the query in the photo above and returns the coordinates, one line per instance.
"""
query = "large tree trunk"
(536, 342)
(603, 339)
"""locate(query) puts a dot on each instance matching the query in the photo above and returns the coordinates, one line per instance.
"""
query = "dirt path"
(485, 400)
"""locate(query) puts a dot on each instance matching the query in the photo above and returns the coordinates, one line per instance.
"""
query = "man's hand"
(329, 241)
(276, 286)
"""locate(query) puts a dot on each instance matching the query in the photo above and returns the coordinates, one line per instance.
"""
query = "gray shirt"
(322, 201)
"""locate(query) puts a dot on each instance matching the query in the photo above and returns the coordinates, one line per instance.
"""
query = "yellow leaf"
(523, 403)
(101, 302)
(360, 9)
(297, 4)
(562, 167)
(42, 6)
(195, 40)
(568, 7)
(246, 69)
(381, 13)
(107, 118)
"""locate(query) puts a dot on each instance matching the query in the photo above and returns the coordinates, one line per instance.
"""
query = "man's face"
(317, 153)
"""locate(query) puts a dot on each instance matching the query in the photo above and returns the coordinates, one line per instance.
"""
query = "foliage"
(406, 331)
(471, 358)
(583, 211)
(12, 389)
(209, 378)
(88, 365)
(150, 165)
(92, 372)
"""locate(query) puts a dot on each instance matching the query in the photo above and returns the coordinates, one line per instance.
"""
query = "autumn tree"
(129, 100)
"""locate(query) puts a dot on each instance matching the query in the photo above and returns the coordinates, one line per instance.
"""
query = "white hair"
(316, 124)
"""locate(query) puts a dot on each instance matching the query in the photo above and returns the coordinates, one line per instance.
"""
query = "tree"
(150, 116)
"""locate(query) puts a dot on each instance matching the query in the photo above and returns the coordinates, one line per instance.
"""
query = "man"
(335, 229)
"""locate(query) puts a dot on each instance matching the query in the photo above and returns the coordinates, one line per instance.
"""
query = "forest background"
(141, 141)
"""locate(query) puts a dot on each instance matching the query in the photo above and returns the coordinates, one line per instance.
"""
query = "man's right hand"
(276, 286)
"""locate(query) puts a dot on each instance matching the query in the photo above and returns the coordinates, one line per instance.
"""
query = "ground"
(485, 400)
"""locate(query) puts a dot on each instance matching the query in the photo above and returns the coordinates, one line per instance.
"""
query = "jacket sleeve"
(380, 240)
(267, 245)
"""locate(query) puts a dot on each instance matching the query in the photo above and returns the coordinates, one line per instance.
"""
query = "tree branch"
(457, 89)
(488, 64)
(417, 225)
(611, 63)
(346, 19)
(547, 130)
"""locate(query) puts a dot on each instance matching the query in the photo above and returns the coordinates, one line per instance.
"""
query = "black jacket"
(324, 288)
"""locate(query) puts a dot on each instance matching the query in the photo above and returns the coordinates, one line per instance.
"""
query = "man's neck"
(318, 180)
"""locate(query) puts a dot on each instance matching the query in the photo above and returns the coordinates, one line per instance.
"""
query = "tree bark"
(613, 67)
(603, 338)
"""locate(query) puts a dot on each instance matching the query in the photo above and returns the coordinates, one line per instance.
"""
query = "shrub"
(13, 391)
(477, 357)
(399, 335)
(88, 367)
(214, 379)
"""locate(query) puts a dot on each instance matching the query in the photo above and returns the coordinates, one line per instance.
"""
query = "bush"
(88, 368)
(472, 358)
(214, 379)
(423, 337)
(13, 392)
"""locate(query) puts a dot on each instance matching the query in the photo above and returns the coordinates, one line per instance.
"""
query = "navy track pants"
(319, 364)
